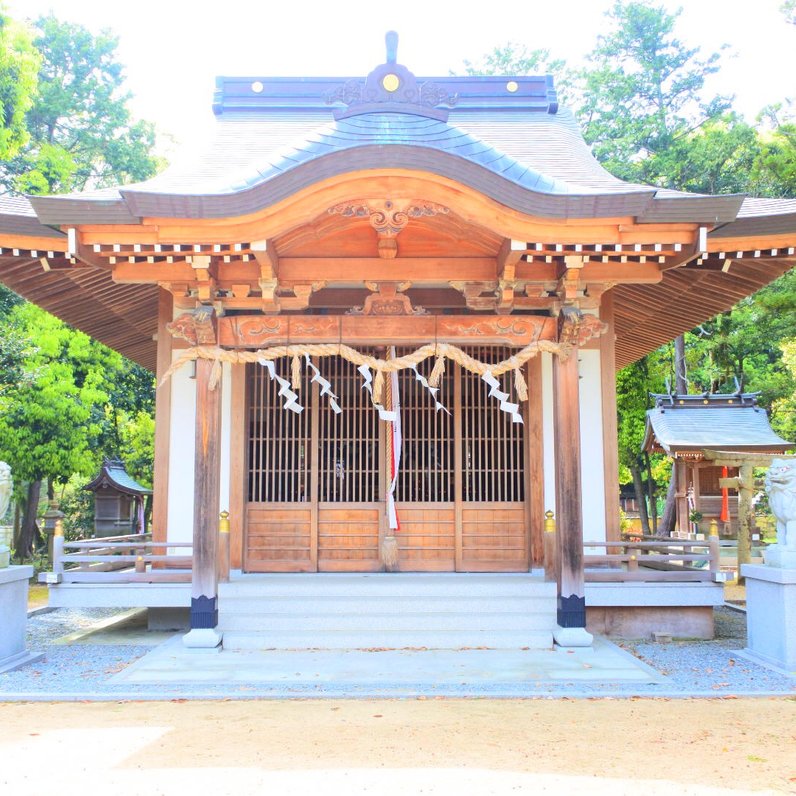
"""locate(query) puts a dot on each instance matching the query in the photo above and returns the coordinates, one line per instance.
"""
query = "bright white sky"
(173, 49)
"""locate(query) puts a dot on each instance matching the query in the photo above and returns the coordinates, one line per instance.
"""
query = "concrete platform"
(398, 671)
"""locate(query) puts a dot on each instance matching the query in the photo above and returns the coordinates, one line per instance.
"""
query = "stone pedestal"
(14, 614)
(771, 615)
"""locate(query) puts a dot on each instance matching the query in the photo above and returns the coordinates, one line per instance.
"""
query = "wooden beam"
(40, 243)
(266, 256)
(207, 462)
(412, 269)
(240, 331)
(571, 609)
(80, 251)
(508, 259)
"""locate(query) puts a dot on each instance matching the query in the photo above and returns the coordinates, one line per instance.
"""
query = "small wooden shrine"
(685, 426)
(119, 501)
(448, 244)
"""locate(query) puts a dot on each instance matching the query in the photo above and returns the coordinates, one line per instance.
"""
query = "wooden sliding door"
(317, 480)
(425, 491)
(349, 470)
(494, 534)
(279, 533)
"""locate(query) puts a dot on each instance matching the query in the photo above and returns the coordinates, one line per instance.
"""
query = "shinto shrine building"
(435, 264)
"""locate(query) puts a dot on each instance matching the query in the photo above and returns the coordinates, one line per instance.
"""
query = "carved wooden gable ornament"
(392, 87)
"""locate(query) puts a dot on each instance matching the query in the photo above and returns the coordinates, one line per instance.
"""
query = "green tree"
(19, 66)
(64, 399)
(783, 417)
(46, 423)
(81, 133)
(642, 92)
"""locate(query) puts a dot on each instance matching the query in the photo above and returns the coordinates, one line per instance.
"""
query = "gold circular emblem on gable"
(390, 82)
(257, 87)
(512, 86)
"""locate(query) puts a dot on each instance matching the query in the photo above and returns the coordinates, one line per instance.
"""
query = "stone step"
(370, 620)
(230, 605)
(389, 639)
(389, 584)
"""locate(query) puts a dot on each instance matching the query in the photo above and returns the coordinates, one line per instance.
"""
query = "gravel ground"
(82, 671)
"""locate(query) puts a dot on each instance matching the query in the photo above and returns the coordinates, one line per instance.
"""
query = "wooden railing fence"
(118, 559)
(659, 560)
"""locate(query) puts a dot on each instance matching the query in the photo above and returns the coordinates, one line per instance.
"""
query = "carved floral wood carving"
(240, 331)
(388, 218)
(387, 299)
(576, 329)
(182, 328)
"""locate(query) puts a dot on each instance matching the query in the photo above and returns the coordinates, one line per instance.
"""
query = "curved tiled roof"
(551, 172)
(716, 422)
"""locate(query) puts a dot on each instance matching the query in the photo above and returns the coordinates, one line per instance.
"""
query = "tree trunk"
(651, 494)
(17, 526)
(680, 376)
(669, 516)
(28, 530)
(641, 498)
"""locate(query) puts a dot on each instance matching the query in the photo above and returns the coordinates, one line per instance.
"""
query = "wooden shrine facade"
(335, 219)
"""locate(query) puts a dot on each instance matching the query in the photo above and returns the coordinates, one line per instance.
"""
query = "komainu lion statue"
(781, 489)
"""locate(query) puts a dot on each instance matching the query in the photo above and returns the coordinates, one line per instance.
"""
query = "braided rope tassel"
(437, 371)
(520, 385)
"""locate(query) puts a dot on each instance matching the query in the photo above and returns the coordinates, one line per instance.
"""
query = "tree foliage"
(65, 400)
(79, 130)
(642, 105)
(642, 93)
(48, 424)
(19, 65)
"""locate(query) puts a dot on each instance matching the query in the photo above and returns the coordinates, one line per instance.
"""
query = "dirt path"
(413, 746)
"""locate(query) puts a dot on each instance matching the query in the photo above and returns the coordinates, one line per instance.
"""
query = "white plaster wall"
(548, 433)
(591, 445)
(226, 426)
(182, 447)
(181, 454)
(591, 440)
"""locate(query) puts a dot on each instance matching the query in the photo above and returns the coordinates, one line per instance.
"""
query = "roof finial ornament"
(391, 39)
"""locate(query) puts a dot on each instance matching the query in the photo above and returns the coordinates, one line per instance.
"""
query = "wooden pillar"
(610, 433)
(571, 607)
(207, 460)
(746, 486)
(238, 464)
(160, 487)
(680, 474)
(534, 461)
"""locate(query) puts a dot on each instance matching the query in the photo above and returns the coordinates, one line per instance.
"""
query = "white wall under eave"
(591, 445)
(591, 442)
(226, 426)
(181, 454)
(548, 432)
(182, 447)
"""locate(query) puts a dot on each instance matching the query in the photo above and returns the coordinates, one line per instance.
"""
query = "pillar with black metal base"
(207, 459)
(571, 605)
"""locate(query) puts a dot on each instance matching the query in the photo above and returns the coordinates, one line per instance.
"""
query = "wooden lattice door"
(317, 480)
(494, 530)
